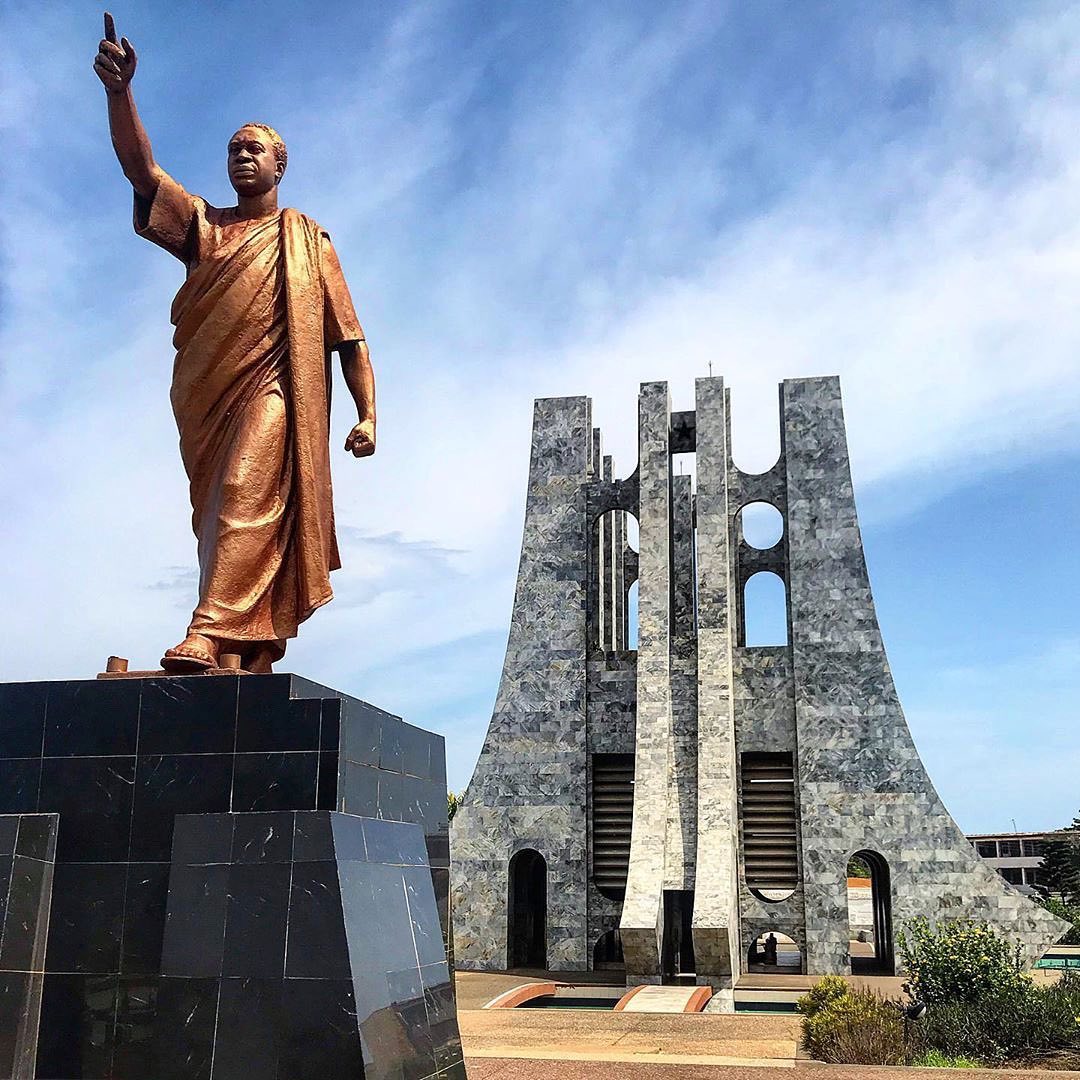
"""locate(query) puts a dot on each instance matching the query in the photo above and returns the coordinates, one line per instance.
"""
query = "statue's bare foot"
(194, 653)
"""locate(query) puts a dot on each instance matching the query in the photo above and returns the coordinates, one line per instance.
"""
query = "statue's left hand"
(361, 440)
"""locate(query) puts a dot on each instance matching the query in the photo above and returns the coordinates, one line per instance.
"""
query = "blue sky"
(535, 199)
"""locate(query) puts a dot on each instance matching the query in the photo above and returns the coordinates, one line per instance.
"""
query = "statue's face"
(253, 168)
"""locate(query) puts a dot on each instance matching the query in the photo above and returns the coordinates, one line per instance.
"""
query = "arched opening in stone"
(773, 953)
(607, 952)
(614, 565)
(526, 929)
(869, 896)
(764, 611)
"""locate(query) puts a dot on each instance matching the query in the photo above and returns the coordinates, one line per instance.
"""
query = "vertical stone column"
(716, 923)
(642, 916)
(529, 787)
(682, 794)
(862, 785)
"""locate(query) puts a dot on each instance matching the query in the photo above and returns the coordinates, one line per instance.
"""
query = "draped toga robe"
(263, 304)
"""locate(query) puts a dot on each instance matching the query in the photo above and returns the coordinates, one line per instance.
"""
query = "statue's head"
(257, 159)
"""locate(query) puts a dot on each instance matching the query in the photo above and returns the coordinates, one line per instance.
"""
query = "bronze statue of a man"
(263, 304)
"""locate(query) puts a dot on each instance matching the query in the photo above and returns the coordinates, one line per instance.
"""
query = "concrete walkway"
(562, 1044)
(606, 1070)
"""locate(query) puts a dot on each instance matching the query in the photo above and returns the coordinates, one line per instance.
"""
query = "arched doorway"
(869, 891)
(526, 923)
(607, 952)
(773, 953)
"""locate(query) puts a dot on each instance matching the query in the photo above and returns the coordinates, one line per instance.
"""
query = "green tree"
(1061, 862)
(1068, 912)
(453, 801)
(856, 867)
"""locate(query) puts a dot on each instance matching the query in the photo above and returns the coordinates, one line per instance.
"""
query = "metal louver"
(770, 844)
(612, 815)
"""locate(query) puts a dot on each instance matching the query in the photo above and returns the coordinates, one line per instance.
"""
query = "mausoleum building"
(660, 808)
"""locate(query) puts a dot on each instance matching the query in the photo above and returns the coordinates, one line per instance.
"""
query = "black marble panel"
(189, 716)
(269, 719)
(327, 795)
(275, 781)
(91, 719)
(361, 732)
(29, 889)
(194, 940)
(20, 992)
(263, 838)
(9, 832)
(20, 779)
(76, 1036)
(391, 795)
(330, 724)
(256, 921)
(313, 838)
(93, 796)
(185, 1021)
(203, 839)
(359, 791)
(415, 751)
(316, 940)
(145, 906)
(171, 784)
(35, 836)
(87, 918)
(320, 1033)
(247, 1042)
(22, 718)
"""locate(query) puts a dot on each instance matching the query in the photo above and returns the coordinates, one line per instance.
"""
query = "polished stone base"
(250, 882)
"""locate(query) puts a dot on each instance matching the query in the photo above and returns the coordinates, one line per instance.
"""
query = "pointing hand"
(114, 63)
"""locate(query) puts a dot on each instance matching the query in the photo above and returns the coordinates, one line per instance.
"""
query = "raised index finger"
(110, 29)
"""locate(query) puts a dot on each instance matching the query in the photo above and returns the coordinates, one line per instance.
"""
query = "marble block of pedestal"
(144, 778)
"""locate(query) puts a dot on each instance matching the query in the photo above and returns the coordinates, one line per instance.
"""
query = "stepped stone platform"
(220, 878)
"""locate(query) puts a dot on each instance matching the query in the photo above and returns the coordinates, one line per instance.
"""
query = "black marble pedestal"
(249, 881)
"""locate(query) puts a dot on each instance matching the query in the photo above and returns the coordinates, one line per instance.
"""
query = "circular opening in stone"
(762, 525)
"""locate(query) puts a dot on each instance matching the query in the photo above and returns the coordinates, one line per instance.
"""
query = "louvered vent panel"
(613, 813)
(770, 845)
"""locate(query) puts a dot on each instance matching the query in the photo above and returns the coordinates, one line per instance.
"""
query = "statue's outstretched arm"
(115, 65)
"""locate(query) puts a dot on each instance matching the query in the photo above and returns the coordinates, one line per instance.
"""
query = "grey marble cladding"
(693, 699)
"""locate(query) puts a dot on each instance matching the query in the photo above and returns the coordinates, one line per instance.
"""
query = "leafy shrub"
(851, 1027)
(958, 960)
(935, 1059)
(1018, 1023)
(823, 993)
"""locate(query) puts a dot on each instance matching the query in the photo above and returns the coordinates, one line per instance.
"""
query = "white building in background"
(1016, 856)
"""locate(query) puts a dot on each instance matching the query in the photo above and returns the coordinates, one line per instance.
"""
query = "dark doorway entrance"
(526, 929)
(870, 915)
(677, 952)
(607, 952)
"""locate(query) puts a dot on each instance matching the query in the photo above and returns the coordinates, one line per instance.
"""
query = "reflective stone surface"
(27, 853)
(251, 879)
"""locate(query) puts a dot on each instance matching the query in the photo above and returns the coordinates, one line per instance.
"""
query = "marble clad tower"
(658, 809)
